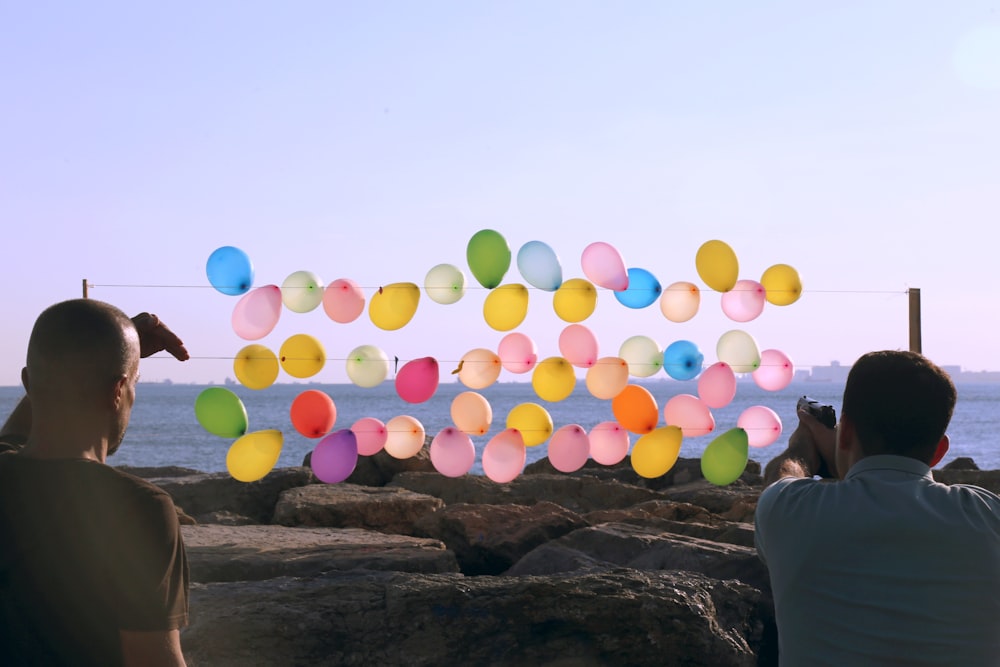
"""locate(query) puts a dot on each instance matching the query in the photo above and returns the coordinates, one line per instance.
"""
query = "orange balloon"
(635, 409)
(313, 413)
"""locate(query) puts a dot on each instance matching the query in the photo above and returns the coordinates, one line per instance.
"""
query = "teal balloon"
(643, 289)
(221, 412)
(539, 266)
(725, 458)
(682, 360)
(230, 270)
(489, 257)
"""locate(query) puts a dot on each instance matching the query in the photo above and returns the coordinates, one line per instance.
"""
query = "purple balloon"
(335, 456)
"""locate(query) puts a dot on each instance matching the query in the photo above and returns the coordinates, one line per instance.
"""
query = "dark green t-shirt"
(85, 551)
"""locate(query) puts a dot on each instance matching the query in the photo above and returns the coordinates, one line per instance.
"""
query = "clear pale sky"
(857, 142)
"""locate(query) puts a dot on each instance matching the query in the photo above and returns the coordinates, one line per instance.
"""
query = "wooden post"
(84, 288)
(915, 343)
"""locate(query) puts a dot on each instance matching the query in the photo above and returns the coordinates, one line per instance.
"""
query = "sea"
(164, 430)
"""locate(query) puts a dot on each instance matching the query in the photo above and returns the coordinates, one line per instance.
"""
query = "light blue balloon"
(643, 289)
(682, 360)
(230, 271)
(539, 265)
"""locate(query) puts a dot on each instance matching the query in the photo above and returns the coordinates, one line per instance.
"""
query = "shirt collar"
(890, 462)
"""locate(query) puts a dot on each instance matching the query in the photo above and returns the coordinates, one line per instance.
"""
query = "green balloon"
(221, 412)
(489, 257)
(725, 458)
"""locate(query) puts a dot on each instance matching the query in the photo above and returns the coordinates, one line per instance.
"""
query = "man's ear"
(24, 378)
(942, 449)
(845, 433)
(118, 391)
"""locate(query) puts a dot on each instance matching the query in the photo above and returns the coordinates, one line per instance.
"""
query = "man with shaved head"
(92, 563)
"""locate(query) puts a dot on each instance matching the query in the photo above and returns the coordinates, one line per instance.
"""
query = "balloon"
(313, 413)
(744, 302)
(553, 379)
(717, 385)
(221, 412)
(539, 266)
(370, 434)
(575, 300)
(642, 355)
(254, 455)
(489, 257)
(680, 301)
(608, 443)
(405, 437)
(452, 452)
(717, 265)
(635, 409)
(343, 301)
(445, 284)
(781, 284)
(725, 458)
(506, 307)
(532, 421)
(603, 265)
(302, 291)
(230, 271)
(517, 352)
(479, 368)
(762, 425)
(606, 378)
(656, 452)
(690, 414)
(335, 457)
(682, 360)
(417, 380)
(569, 448)
(504, 456)
(643, 289)
(302, 356)
(739, 350)
(775, 372)
(256, 367)
(257, 312)
(578, 345)
(393, 306)
(367, 366)
(471, 413)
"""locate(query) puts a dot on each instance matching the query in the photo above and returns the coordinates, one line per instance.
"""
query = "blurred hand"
(154, 336)
(821, 438)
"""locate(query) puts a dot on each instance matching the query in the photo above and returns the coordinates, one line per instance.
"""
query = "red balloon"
(313, 413)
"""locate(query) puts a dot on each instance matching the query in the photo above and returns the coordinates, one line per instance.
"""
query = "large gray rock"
(987, 479)
(389, 510)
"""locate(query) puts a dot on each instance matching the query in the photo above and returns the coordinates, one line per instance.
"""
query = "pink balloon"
(504, 456)
(690, 414)
(417, 380)
(603, 265)
(569, 448)
(745, 301)
(452, 452)
(762, 424)
(517, 352)
(343, 300)
(775, 372)
(717, 385)
(609, 443)
(335, 456)
(578, 346)
(371, 435)
(257, 312)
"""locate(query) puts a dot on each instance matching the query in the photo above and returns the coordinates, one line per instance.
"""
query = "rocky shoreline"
(400, 565)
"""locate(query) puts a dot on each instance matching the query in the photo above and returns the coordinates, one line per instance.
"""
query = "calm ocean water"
(164, 430)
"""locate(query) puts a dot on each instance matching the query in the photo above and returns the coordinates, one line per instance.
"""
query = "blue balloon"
(539, 265)
(682, 360)
(230, 270)
(643, 289)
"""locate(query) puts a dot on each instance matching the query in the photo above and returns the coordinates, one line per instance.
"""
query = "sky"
(856, 142)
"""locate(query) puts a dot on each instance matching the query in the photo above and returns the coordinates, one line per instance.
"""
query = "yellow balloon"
(256, 367)
(479, 368)
(553, 379)
(506, 306)
(393, 306)
(717, 265)
(782, 285)
(607, 378)
(302, 356)
(254, 455)
(656, 452)
(532, 421)
(575, 300)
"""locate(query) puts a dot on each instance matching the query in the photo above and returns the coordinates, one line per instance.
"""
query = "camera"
(824, 413)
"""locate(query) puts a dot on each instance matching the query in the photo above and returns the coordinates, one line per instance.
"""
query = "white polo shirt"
(886, 567)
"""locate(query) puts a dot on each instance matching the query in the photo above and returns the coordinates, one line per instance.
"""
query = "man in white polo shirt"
(885, 566)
